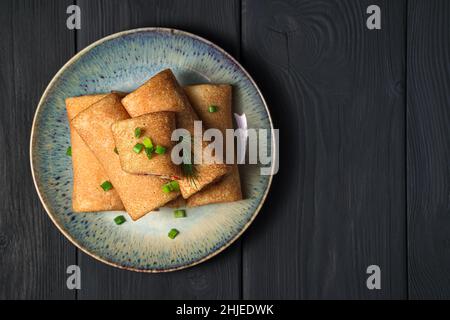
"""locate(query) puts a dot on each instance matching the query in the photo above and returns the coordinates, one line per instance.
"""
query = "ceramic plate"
(122, 62)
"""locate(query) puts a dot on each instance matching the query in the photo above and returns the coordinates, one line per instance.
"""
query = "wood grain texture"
(428, 153)
(337, 205)
(33, 254)
(217, 21)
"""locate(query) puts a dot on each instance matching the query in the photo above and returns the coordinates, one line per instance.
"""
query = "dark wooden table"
(364, 148)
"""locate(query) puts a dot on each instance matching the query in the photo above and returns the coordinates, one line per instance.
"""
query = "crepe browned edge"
(179, 202)
(140, 194)
(163, 93)
(88, 173)
(228, 188)
(157, 126)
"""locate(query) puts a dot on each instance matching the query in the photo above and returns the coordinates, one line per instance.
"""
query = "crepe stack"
(125, 142)
(88, 173)
(163, 93)
(228, 189)
(140, 194)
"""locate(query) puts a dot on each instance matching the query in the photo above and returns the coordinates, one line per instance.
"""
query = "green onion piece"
(116, 151)
(166, 188)
(212, 108)
(173, 233)
(119, 220)
(160, 150)
(147, 142)
(174, 185)
(171, 186)
(179, 213)
(106, 185)
(137, 132)
(69, 151)
(148, 152)
(138, 147)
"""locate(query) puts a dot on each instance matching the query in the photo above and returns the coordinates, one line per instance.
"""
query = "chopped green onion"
(138, 147)
(179, 213)
(171, 186)
(160, 150)
(166, 188)
(69, 151)
(137, 132)
(116, 151)
(174, 185)
(173, 233)
(106, 185)
(147, 142)
(148, 152)
(212, 108)
(119, 220)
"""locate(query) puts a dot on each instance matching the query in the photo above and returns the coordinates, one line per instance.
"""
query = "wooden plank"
(33, 254)
(337, 205)
(218, 21)
(428, 142)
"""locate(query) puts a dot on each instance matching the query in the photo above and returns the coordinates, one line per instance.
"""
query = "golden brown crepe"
(158, 127)
(228, 188)
(88, 173)
(201, 96)
(139, 193)
(163, 93)
(159, 93)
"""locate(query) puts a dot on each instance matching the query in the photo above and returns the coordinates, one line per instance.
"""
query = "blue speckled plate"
(122, 62)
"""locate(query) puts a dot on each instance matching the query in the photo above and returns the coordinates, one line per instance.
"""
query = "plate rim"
(73, 60)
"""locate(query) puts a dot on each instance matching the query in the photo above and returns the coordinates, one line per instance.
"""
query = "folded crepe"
(139, 193)
(155, 129)
(88, 173)
(228, 188)
(159, 93)
(163, 93)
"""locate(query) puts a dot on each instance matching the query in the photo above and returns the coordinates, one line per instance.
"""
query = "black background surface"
(364, 148)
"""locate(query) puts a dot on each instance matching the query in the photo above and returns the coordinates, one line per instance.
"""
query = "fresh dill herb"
(190, 172)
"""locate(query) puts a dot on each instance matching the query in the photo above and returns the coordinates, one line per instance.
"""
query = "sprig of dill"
(191, 173)
(189, 170)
